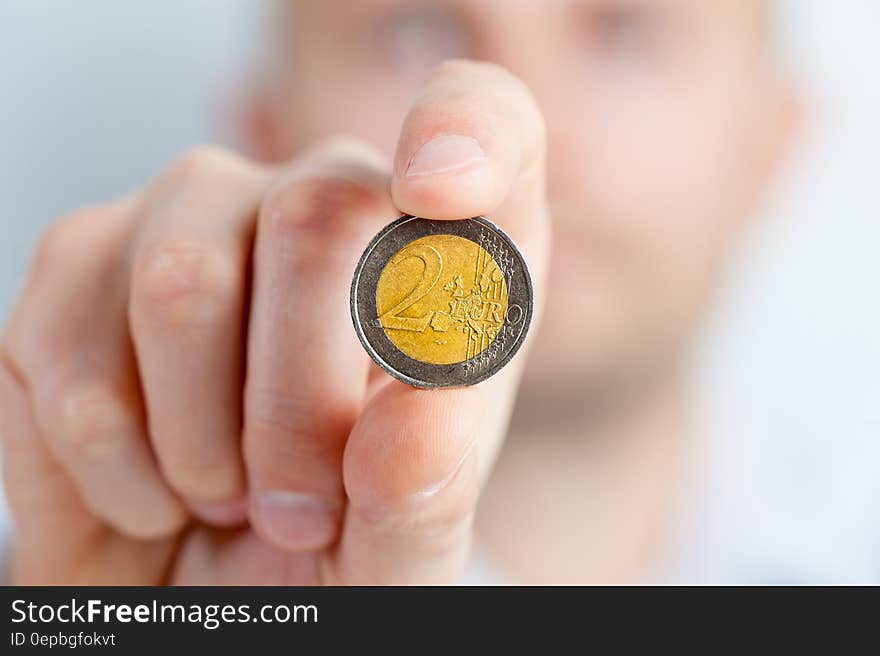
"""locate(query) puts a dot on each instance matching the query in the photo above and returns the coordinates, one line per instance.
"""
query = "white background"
(96, 95)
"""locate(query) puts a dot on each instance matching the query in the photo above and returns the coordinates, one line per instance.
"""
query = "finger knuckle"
(291, 425)
(195, 180)
(89, 418)
(54, 245)
(181, 282)
(61, 242)
(328, 206)
(201, 163)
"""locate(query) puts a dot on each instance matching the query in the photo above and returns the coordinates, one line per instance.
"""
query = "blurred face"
(663, 123)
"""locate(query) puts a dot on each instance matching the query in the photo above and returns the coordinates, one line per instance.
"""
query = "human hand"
(183, 398)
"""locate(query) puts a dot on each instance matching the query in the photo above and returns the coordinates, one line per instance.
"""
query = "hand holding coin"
(216, 382)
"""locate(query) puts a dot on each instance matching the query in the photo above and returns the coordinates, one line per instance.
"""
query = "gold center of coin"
(441, 299)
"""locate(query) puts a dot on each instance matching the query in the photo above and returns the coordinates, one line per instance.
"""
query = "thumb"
(472, 144)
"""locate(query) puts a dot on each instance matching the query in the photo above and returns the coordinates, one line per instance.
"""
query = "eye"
(622, 31)
(416, 39)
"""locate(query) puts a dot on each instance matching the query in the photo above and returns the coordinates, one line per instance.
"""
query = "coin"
(441, 303)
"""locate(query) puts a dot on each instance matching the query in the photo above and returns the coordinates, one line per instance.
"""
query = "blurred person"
(183, 399)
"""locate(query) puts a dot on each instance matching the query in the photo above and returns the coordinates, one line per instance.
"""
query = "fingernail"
(298, 522)
(222, 513)
(447, 153)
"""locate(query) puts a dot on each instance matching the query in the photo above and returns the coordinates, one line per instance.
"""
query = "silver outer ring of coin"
(520, 304)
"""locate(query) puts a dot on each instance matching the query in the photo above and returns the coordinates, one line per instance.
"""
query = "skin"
(182, 396)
